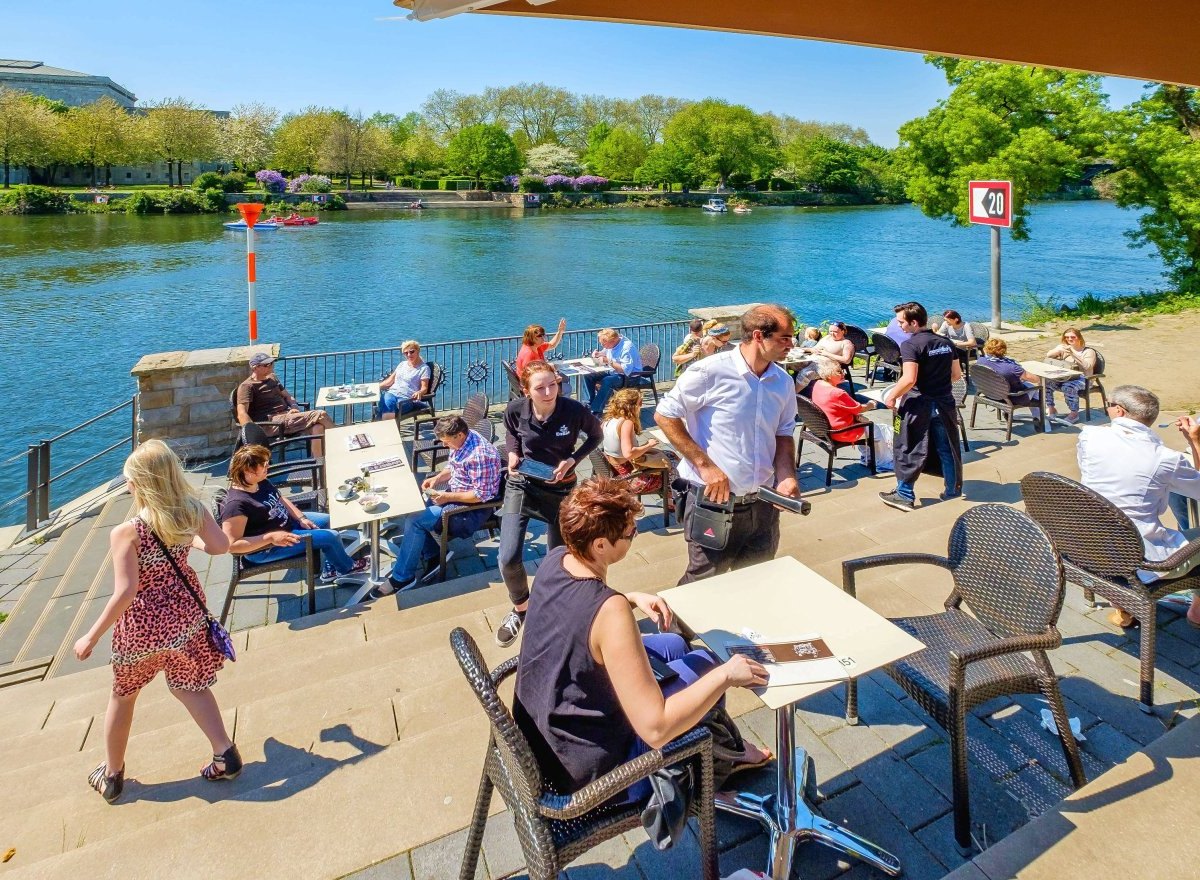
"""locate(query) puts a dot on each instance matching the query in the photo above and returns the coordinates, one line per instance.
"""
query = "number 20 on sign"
(991, 202)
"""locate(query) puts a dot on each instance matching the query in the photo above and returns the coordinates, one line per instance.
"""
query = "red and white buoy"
(250, 212)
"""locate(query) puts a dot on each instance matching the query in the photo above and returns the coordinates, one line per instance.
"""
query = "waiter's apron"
(913, 450)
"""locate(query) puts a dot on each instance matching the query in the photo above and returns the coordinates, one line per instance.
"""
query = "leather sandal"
(224, 766)
(109, 786)
(1121, 618)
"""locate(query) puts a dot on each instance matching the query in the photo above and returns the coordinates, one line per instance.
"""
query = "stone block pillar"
(183, 398)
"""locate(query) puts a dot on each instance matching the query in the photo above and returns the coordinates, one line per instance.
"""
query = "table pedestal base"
(789, 820)
(373, 579)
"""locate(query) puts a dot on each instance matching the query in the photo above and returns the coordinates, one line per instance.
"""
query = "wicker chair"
(643, 379)
(991, 389)
(1092, 384)
(601, 468)
(862, 347)
(491, 523)
(515, 391)
(428, 412)
(959, 389)
(474, 411)
(268, 433)
(243, 568)
(887, 356)
(554, 829)
(1102, 551)
(815, 427)
(311, 469)
(1008, 573)
(982, 334)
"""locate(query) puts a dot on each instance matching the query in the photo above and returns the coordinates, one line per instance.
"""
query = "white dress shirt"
(734, 416)
(1129, 465)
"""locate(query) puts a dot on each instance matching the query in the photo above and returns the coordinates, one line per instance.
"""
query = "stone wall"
(183, 398)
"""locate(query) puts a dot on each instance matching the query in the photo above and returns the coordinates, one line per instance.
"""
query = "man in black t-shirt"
(924, 401)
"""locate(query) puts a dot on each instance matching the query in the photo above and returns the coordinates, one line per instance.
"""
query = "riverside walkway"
(363, 743)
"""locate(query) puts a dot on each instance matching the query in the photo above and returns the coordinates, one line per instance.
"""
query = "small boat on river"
(741, 209)
(294, 220)
(241, 224)
(714, 206)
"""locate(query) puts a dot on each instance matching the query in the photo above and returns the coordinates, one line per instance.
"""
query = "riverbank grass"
(1040, 310)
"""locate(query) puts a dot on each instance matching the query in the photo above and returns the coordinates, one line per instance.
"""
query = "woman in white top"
(401, 392)
(642, 464)
(1075, 356)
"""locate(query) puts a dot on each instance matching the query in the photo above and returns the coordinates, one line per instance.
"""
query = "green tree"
(247, 136)
(647, 115)
(1157, 143)
(832, 165)
(421, 152)
(25, 128)
(353, 146)
(544, 114)
(1029, 125)
(723, 139)
(668, 163)
(483, 151)
(448, 112)
(179, 131)
(619, 155)
(101, 134)
(300, 138)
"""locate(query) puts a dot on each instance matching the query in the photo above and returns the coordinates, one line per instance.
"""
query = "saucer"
(344, 496)
(336, 396)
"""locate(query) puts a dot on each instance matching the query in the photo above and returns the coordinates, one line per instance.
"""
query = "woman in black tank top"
(586, 698)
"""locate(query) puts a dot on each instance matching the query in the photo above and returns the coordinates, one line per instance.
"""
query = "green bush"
(532, 184)
(450, 183)
(427, 184)
(31, 199)
(141, 202)
(232, 182)
(207, 180)
(778, 184)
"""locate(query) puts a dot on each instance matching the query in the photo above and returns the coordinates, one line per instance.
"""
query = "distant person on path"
(731, 418)
(1022, 385)
(689, 349)
(1128, 463)
(924, 399)
(544, 427)
(262, 398)
(534, 345)
(157, 624)
(586, 696)
(1075, 355)
(472, 476)
(615, 351)
(401, 393)
(265, 526)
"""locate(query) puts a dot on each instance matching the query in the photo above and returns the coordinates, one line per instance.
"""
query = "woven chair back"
(980, 331)
(814, 419)
(1006, 570)
(486, 429)
(514, 381)
(523, 785)
(989, 383)
(959, 390)
(1089, 531)
(476, 408)
(858, 336)
(437, 375)
(252, 434)
(1099, 371)
(886, 349)
(651, 354)
(600, 465)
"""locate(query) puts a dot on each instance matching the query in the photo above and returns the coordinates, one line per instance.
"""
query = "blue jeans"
(942, 443)
(600, 389)
(417, 544)
(324, 539)
(1179, 506)
(401, 406)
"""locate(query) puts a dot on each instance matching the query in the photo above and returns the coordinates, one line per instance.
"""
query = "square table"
(575, 368)
(402, 492)
(372, 395)
(783, 599)
(1046, 371)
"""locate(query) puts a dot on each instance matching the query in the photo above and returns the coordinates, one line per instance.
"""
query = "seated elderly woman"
(842, 410)
(587, 698)
(401, 392)
(1075, 356)
(264, 526)
(1022, 385)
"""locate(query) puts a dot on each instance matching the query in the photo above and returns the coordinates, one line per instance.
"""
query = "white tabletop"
(371, 395)
(784, 599)
(402, 493)
(577, 367)
(1049, 371)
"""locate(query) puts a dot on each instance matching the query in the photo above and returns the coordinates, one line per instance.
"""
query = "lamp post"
(250, 212)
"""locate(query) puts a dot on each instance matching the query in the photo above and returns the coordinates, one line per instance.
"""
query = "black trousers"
(753, 538)
(524, 500)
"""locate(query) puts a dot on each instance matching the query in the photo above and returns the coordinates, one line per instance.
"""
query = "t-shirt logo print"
(276, 510)
(562, 431)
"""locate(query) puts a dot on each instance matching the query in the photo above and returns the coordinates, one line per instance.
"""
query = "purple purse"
(218, 636)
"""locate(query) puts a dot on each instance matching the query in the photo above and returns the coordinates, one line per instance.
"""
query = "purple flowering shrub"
(271, 181)
(512, 181)
(310, 183)
(591, 183)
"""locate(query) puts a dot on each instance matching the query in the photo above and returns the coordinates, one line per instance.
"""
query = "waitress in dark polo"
(924, 398)
(543, 428)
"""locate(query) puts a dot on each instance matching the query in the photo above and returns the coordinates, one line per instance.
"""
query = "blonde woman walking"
(157, 624)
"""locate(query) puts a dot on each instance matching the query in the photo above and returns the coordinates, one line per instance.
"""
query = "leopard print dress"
(163, 629)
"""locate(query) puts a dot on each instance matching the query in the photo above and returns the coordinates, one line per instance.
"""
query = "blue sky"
(339, 54)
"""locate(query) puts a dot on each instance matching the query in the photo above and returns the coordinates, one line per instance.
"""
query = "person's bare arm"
(389, 381)
(785, 467)
(243, 414)
(211, 539)
(123, 544)
(955, 372)
(234, 528)
(908, 380)
(629, 449)
(716, 482)
(558, 335)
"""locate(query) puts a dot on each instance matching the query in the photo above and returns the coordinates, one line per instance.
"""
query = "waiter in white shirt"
(1129, 465)
(731, 418)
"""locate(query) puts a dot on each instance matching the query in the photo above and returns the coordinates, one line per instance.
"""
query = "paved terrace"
(363, 743)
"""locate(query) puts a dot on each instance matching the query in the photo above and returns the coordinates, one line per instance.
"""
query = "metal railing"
(471, 366)
(76, 441)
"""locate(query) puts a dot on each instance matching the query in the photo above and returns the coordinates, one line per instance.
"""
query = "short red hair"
(600, 507)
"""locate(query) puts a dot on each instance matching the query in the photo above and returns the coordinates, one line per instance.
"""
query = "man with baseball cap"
(262, 398)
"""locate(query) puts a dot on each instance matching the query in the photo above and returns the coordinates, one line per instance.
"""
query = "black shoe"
(896, 500)
(510, 628)
(226, 765)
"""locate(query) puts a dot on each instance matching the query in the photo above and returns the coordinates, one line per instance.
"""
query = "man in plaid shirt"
(472, 477)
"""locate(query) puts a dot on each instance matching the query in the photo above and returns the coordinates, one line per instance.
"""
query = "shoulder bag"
(218, 636)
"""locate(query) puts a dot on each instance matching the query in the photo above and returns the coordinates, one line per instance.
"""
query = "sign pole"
(995, 277)
(250, 212)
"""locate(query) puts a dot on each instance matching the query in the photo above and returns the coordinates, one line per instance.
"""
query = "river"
(84, 297)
